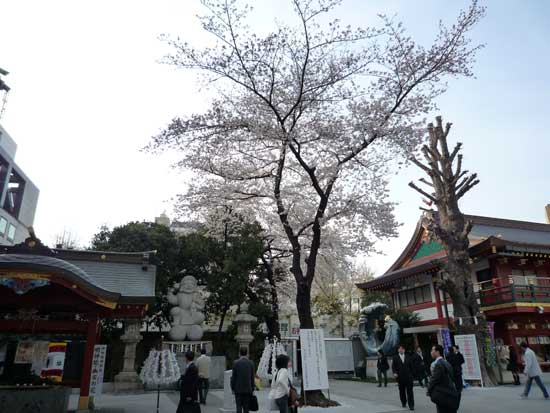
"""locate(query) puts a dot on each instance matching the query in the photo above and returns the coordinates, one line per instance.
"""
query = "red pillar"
(91, 337)
(438, 302)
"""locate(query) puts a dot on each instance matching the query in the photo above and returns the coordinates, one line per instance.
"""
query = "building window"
(11, 233)
(14, 194)
(3, 226)
(413, 296)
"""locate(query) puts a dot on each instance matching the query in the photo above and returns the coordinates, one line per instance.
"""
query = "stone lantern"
(244, 323)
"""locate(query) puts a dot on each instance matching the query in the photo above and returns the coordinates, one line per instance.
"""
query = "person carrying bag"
(280, 386)
(441, 387)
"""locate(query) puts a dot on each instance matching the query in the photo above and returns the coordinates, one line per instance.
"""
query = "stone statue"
(370, 333)
(187, 313)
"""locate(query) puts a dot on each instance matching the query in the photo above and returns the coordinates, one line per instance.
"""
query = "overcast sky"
(88, 93)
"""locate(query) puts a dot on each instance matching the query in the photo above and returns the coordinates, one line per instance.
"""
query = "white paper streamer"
(160, 367)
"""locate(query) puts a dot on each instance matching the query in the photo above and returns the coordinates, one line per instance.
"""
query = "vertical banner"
(55, 362)
(446, 338)
(489, 345)
(314, 360)
(98, 368)
(39, 356)
(471, 370)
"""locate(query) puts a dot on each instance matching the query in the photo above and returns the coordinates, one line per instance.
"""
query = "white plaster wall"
(427, 314)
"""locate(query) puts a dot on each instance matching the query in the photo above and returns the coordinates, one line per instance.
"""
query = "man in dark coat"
(382, 367)
(420, 367)
(441, 386)
(403, 370)
(242, 381)
(456, 360)
(189, 386)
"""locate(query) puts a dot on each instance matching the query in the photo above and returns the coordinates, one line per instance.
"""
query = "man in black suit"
(403, 370)
(456, 360)
(189, 386)
(242, 381)
(441, 387)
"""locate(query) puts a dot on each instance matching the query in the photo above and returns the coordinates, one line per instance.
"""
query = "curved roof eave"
(65, 270)
(401, 259)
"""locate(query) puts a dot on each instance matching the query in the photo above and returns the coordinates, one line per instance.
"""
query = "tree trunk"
(465, 305)
(272, 321)
(303, 305)
(222, 318)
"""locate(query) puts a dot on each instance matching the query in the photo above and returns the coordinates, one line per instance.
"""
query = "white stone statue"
(187, 313)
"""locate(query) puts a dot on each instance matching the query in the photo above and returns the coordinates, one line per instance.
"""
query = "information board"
(339, 355)
(98, 368)
(471, 370)
(314, 360)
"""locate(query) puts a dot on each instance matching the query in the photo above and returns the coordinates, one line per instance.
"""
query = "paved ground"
(354, 397)
(474, 400)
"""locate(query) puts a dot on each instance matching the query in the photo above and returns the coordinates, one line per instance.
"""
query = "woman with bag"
(280, 386)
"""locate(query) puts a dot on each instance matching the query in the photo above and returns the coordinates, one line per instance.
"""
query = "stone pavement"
(354, 397)
(474, 400)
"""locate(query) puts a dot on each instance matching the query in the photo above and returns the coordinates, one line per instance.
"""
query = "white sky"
(88, 93)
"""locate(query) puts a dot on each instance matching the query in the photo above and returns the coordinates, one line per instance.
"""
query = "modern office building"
(18, 195)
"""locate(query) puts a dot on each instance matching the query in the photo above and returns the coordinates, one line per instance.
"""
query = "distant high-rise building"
(180, 228)
(18, 195)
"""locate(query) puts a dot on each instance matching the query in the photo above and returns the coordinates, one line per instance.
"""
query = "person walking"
(441, 388)
(382, 367)
(203, 364)
(513, 365)
(188, 384)
(532, 371)
(420, 367)
(456, 360)
(242, 381)
(403, 370)
(280, 386)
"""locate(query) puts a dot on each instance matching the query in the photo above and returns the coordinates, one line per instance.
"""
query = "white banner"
(314, 360)
(471, 370)
(98, 368)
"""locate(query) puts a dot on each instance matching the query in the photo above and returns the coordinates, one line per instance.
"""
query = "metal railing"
(521, 289)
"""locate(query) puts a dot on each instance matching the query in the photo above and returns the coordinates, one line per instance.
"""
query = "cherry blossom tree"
(306, 121)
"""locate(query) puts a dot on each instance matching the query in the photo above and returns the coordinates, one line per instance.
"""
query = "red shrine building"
(511, 275)
(59, 297)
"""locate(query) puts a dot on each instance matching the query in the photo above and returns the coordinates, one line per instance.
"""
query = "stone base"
(127, 381)
(217, 369)
(51, 399)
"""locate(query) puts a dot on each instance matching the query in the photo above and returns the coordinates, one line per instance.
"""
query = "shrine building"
(60, 297)
(511, 276)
